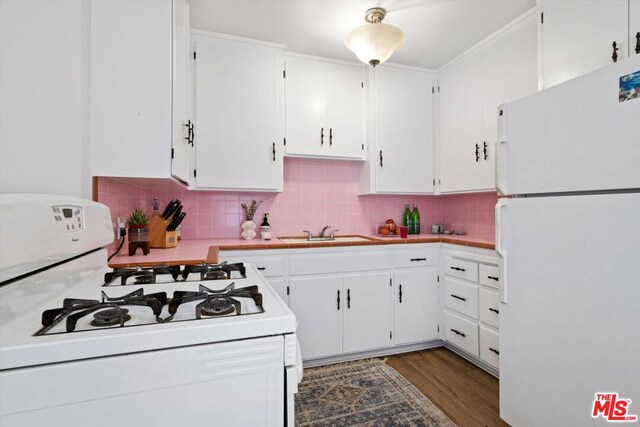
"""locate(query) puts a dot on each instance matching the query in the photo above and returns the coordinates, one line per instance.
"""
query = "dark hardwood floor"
(466, 393)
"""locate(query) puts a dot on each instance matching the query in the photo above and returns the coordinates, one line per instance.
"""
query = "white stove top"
(23, 302)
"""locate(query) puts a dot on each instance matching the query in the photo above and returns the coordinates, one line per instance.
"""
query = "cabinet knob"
(273, 151)
(477, 153)
(458, 332)
(458, 269)
(400, 294)
(338, 299)
(638, 43)
(495, 351)
(493, 278)
(321, 136)
(614, 56)
(330, 136)
(458, 297)
(496, 311)
(380, 158)
(485, 150)
(417, 259)
(348, 298)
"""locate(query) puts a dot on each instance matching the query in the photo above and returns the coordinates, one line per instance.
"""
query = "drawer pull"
(495, 351)
(458, 332)
(460, 298)
(338, 299)
(418, 259)
(400, 294)
(496, 311)
(262, 268)
(493, 278)
(348, 298)
(458, 269)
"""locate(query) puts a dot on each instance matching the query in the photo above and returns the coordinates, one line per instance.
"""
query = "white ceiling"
(436, 30)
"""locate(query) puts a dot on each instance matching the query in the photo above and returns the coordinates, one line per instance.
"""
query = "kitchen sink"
(305, 239)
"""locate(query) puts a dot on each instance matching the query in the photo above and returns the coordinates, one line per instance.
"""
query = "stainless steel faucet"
(324, 229)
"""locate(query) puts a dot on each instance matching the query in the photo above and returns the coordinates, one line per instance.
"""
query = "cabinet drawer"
(339, 263)
(268, 266)
(461, 297)
(416, 257)
(489, 275)
(461, 333)
(489, 307)
(463, 269)
(489, 348)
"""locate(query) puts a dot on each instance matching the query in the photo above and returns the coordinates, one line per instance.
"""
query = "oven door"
(238, 383)
(293, 372)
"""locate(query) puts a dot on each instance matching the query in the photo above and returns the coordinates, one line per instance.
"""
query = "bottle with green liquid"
(415, 220)
(406, 218)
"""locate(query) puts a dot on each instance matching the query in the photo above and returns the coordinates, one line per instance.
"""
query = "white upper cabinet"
(324, 109)
(181, 140)
(239, 114)
(131, 88)
(578, 35)
(401, 152)
(634, 27)
(501, 70)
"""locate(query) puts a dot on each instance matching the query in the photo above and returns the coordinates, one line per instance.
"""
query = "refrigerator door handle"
(500, 158)
(502, 254)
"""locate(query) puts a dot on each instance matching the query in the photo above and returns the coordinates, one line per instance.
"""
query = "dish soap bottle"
(265, 228)
(406, 218)
(415, 220)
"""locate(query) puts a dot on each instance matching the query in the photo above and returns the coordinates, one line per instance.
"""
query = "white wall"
(44, 96)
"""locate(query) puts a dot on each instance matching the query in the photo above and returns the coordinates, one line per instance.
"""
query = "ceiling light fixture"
(375, 42)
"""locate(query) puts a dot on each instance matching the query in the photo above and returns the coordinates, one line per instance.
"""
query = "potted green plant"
(138, 223)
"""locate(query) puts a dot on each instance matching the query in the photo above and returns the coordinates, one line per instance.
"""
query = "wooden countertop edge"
(308, 245)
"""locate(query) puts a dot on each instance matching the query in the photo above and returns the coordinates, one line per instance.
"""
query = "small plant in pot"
(138, 223)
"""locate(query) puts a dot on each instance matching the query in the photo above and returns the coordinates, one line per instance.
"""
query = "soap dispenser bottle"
(265, 228)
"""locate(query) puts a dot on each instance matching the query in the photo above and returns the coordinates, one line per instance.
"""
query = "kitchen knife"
(175, 222)
(175, 208)
(165, 212)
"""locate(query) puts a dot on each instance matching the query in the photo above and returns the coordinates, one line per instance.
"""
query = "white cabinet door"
(460, 129)
(324, 109)
(238, 115)
(345, 111)
(510, 72)
(578, 36)
(403, 131)
(367, 312)
(634, 27)
(305, 107)
(131, 88)
(318, 304)
(181, 123)
(416, 306)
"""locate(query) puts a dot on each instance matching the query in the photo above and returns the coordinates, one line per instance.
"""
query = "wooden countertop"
(195, 251)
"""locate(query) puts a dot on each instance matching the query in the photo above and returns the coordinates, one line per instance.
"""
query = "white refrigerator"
(569, 244)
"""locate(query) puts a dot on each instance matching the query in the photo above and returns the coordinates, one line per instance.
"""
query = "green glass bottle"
(415, 220)
(406, 218)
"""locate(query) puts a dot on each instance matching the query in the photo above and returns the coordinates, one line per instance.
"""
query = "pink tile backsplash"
(316, 193)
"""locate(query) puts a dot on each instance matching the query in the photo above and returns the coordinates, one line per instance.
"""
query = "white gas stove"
(78, 339)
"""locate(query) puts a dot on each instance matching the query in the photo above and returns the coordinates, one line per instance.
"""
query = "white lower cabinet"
(366, 312)
(415, 306)
(471, 303)
(317, 304)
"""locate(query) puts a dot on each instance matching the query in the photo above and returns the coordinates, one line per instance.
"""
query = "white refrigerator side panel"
(575, 136)
(570, 326)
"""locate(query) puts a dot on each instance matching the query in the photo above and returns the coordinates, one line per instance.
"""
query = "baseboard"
(373, 353)
(471, 358)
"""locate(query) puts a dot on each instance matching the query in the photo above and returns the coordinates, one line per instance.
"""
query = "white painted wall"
(44, 96)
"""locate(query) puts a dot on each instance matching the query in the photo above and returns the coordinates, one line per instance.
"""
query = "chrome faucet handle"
(323, 230)
(308, 234)
(333, 233)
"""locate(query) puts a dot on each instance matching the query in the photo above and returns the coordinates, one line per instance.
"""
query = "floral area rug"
(363, 393)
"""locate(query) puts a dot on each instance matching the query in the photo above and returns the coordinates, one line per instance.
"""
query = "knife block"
(159, 237)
